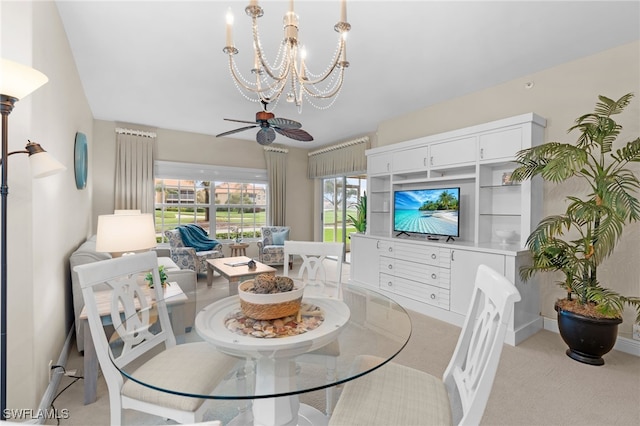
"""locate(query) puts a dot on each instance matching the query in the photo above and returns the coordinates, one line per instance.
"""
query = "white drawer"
(436, 256)
(387, 265)
(425, 293)
(385, 247)
(420, 272)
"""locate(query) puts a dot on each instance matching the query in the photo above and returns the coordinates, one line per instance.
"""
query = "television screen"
(427, 211)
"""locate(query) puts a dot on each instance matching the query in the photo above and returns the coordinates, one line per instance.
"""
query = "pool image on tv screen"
(427, 211)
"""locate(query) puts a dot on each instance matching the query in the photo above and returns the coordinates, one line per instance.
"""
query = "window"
(226, 209)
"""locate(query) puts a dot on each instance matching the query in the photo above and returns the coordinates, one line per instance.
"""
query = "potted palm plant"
(577, 241)
(359, 221)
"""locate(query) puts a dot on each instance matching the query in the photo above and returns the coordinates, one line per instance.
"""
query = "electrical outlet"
(50, 370)
(636, 331)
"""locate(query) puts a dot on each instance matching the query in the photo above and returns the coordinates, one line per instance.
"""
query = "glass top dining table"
(317, 351)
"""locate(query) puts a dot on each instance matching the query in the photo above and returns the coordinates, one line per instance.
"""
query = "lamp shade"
(122, 233)
(42, 164)
(17, 80)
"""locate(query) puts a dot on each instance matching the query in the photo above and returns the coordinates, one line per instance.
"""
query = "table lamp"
(121, 234)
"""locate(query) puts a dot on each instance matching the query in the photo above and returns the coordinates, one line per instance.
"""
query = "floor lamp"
(16, 82)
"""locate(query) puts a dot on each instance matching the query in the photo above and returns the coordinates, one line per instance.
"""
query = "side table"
(239, 249)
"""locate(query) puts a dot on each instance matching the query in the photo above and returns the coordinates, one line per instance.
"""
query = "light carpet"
(536, 383)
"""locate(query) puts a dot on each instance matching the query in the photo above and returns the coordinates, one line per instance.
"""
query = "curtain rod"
(339, 146)
(275, 149)
(134, 132)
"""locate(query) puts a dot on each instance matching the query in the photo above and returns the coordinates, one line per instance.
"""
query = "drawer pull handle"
(390, 266)
(433, 296)
(433, 276)
(390, 249)
(390, 284)
(433, 256)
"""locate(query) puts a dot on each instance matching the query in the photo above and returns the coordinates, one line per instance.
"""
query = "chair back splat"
(314, 255)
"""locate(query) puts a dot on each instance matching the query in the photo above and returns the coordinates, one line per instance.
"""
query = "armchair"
(187, 257)
(271, 247)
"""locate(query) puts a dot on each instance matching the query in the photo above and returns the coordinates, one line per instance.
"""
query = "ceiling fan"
(269, 124)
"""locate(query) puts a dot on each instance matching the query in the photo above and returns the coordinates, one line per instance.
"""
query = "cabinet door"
(501, 145)
(464, 265)
(411, 160)
(364, 260)
(453, 152)
(379, 164)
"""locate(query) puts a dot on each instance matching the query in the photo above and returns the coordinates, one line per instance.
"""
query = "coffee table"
(235, 269)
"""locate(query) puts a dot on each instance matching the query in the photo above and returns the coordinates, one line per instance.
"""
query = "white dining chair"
(190, 368)
(398, 395)
(313, 272)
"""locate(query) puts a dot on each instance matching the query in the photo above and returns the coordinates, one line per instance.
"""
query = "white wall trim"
(192, 171)
(623, 344)
(56, 377)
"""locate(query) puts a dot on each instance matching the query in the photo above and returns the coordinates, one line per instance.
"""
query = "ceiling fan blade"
(230, 132)
(297, 134)
(265, 136)
(284, 123)
(239, 121)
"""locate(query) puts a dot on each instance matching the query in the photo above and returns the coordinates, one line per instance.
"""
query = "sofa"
(86, 253)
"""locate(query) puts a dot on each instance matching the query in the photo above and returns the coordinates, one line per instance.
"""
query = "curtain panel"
(134, 170)
(339, 160)
(276, 159)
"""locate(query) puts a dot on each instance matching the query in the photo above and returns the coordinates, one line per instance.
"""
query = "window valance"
(337, 160)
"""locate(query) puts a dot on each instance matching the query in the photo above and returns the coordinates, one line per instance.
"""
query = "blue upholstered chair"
(271, 247)
(187, 257)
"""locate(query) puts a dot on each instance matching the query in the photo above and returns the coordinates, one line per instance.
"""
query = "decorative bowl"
(505, 234)
(272, 305)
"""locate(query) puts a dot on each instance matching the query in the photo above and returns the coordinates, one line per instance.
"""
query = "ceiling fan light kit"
(291, 72)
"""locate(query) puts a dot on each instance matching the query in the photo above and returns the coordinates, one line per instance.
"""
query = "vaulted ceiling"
(160, 63)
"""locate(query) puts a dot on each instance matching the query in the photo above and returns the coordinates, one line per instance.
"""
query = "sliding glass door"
(339, 196)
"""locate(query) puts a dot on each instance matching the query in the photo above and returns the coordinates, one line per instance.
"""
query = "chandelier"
(289, 74)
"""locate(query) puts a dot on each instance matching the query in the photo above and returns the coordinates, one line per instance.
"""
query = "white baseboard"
(56, 377)
(623, 344)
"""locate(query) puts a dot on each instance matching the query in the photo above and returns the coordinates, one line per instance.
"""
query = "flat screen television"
(433, 212)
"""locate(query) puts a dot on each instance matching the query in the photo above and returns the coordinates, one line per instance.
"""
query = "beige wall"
(187, 147)
(560, 94)
(48, 217)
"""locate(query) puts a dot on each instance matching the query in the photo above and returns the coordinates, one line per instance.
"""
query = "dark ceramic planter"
(588, 338)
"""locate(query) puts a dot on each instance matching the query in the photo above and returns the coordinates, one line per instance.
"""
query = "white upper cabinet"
(410, 160)
(453, 152)
(379, 164)
(500, 145)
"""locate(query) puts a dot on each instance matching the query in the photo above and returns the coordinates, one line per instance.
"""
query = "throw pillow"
(280, 237)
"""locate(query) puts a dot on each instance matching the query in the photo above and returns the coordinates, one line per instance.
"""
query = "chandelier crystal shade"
(289, 74)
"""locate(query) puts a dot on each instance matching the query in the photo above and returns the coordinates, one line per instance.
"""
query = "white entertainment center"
(495, 217)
